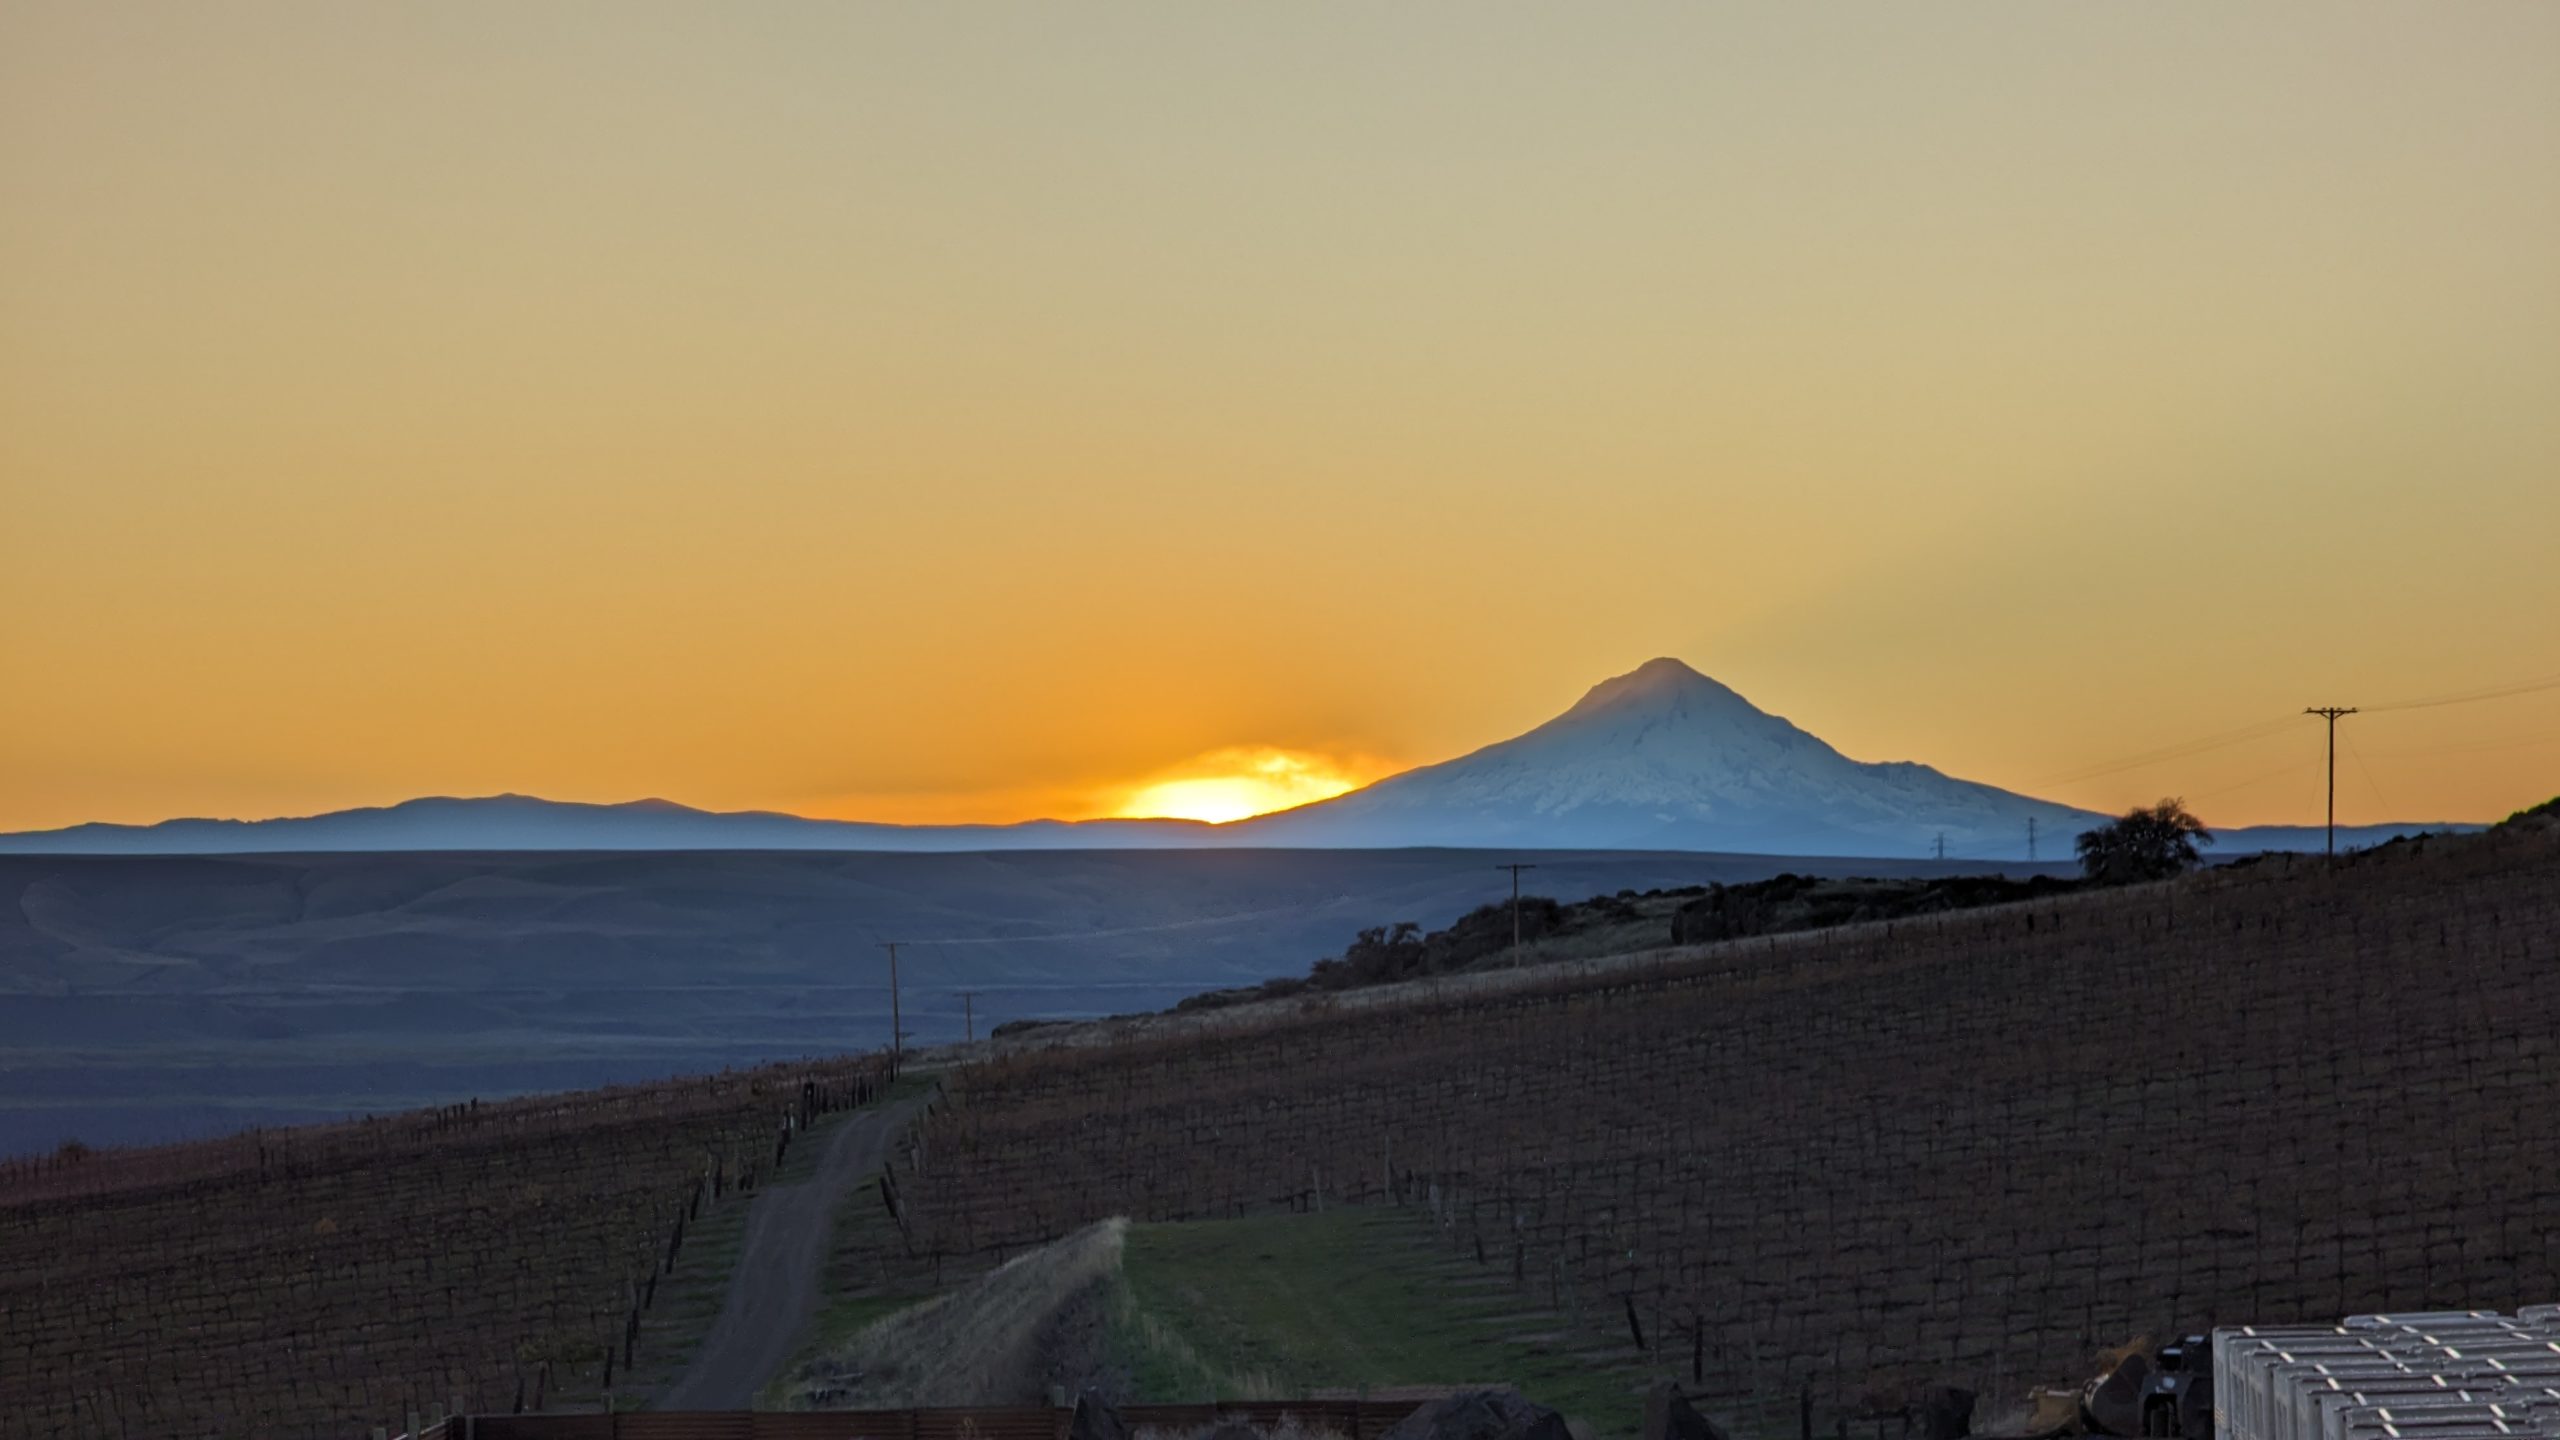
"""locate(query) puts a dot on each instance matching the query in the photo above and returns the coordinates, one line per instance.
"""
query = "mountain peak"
(1659, 681)
(1664, 670)
(1664, 755)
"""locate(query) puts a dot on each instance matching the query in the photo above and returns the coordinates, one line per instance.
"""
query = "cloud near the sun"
(1231, 783)
(1241, 781)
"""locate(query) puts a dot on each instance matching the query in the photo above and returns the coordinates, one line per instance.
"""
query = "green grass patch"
(845, 1316)
(1356, 1299)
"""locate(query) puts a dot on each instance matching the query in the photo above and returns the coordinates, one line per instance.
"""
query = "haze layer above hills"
(154, 997)
(1662, 758)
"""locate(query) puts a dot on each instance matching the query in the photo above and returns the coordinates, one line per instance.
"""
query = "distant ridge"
(1660, 758)
(525, 822)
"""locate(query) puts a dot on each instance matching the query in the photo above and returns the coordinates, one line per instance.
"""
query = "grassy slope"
(1354, 1299)
(990, 1340)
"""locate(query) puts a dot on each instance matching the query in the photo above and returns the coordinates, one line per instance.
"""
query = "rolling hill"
(155, 997)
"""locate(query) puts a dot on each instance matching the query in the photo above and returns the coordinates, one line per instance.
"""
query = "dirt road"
(774, 1293)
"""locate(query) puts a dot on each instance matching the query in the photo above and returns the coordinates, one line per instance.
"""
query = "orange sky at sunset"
(951, 413)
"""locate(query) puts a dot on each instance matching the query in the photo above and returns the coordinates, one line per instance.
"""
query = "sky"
(978, 412)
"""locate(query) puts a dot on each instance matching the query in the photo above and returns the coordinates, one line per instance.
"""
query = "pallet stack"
(2446, 1375)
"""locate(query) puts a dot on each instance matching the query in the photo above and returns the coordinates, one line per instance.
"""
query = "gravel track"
(773, 1294)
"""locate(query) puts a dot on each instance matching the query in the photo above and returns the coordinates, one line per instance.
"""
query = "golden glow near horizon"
(1236, 784)
(966, 413)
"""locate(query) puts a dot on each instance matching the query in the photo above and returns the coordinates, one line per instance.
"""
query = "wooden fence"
(1351, 1419)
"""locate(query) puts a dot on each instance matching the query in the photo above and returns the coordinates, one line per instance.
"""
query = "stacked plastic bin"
(2451, 1375)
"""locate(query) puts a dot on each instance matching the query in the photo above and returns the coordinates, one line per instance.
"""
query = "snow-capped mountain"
(1665, 758)
(1662, 758)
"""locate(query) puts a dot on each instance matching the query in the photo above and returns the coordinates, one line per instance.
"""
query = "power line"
(2166, 753)
(2370, 782)
(2264, 728)
(2511, 743)
(2468, 697)
(2261, 778)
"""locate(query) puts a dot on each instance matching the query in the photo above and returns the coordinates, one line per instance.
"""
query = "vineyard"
(324, 1280)
(1977, 1147)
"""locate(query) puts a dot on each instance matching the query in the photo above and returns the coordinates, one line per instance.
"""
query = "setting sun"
(1235, 784)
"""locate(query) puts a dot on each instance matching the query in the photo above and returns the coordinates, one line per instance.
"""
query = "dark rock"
(1668, 1415)
(1481, 1415)
(1095, 1420)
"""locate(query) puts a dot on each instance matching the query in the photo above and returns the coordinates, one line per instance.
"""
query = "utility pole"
(2031, 839)
(969, 1012)
(2331, 713)
(1942, 845)
(1515, 904)
(897, 1026)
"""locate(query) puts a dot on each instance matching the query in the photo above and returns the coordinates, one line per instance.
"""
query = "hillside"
(147, 998)
(325, 1280)
(1539, 930)
(1976, 1147)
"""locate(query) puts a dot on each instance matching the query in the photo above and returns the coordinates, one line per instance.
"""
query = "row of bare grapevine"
(325, 1279)
(1977, 1146)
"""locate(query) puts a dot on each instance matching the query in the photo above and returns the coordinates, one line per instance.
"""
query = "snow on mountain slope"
(1664, 757)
